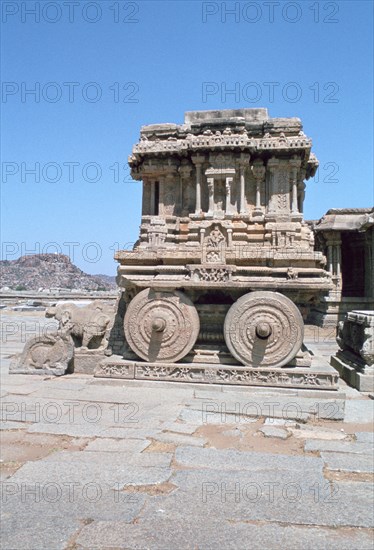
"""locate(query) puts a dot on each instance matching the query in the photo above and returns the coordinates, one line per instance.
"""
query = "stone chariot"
(224, 270)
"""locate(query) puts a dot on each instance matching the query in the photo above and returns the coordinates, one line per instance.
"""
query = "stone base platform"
(348, 370)
(86, 361)
(324, 378)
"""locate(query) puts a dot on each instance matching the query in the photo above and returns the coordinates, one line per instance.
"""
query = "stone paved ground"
(89, 463)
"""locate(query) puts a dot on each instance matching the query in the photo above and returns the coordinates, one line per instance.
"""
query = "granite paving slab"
(179, 427)
(109, 470)
(271, 406)
(273, 431)
(199, 417)
(33, 530)
(365, 437)
(125, 458)
(282, 496)
(117, 445)
(230, 459)
(73, 430)
(8, 425)
(162, 533)
(348, 462)
(317, 432)
(359, 411)
(355, 447)
(43, 501)
(180, 439)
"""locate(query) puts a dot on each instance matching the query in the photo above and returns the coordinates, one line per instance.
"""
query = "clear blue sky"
(163, 53)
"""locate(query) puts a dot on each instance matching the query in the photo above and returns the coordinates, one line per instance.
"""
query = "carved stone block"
(45, 355)
(355, 359)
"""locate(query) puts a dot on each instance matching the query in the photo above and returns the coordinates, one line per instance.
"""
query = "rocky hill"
(48, 271)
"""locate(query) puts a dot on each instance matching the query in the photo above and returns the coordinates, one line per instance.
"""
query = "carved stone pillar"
(198, 161)
(301, 190)
(161, 198)
(258, 170)
(229, 237)
(295, 165)
(330, 259)
(170, 190)
(273, 165)
(211, 195)
(333, 242)
(154, 198)
(338, 249)
(229, 181)
(369, 263)
(147, 197)
(243, 163)
(185, 190)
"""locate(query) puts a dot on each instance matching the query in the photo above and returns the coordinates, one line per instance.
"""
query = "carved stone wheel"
(161, 326)
(264, 329)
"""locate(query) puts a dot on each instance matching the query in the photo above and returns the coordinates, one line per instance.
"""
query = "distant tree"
(20, 287)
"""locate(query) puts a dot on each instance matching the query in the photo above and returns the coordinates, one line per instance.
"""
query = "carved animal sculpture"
(87, 325)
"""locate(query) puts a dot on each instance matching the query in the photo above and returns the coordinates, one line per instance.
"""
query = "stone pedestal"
(355, 360)
(305, 378)
(85, 361)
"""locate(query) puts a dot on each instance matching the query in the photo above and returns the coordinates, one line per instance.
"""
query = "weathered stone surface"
(179, 427)
(13, 425)
(365, 437)
(206, 373)
(356, 333)
(45, 355)
(279, 406)
(87, 325)
(346, 365)
(255, 329)
(161, 533)
(355, 359)
(117, 445)
(355, 447)
(317, 432)
(53, 352)
(199, 417)
(244, 461)
(222, 212)
(121, 469)
(279, 422)
(47, 499)
(302, 497)
(180, 439)
(32, 529)
(359, 411)
(349, 462)
(272, 431)
(161, 326)
(346, 236)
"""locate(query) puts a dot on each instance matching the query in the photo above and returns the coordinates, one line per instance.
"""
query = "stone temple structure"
(346, 237)
(225, 270)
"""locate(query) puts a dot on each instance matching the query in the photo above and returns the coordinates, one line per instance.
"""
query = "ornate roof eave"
(239, 143)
